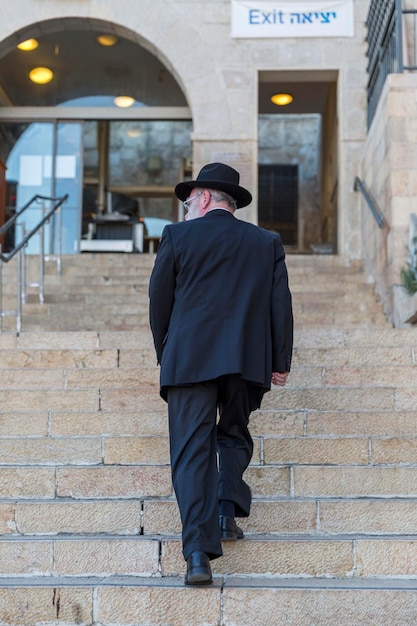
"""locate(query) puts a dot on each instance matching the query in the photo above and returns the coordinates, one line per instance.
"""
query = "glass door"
(45, 158)
(28, 174)
(67, 177)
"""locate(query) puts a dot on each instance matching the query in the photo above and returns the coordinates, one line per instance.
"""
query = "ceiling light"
(41, 75)
(107, 40)
(282, 99)
(28, 44)
(124, 101)
(134, 132)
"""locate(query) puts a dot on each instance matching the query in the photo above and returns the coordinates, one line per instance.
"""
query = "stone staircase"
(89, 527)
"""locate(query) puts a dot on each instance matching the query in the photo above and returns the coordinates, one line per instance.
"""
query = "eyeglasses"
(186, 203)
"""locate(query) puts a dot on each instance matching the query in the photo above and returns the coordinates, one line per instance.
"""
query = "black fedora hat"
(216, 176)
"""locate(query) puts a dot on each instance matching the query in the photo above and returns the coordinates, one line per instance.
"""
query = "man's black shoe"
(198, 569)
(229, 530)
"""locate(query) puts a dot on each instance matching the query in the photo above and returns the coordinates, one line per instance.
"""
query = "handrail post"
(1, 291)
(41, 265)
(59, 242)
(399, 35)
(20, 264)
(23, 267)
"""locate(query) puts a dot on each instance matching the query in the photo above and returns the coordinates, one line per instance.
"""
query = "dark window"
(278, 199)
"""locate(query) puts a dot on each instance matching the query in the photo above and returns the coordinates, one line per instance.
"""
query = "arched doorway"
(71, 134)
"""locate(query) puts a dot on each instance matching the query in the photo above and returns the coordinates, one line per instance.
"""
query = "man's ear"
(207, 198)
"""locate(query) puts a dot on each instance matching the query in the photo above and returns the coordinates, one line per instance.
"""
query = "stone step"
(342, 557)
(71, 271)
(288, 460)
(124, 368)
(315, 518)
(90, 307)
(368, 337)
(110, 399)
(355, 356)
(91, 350)
(391, 425)
(303, 288)
(300, 267)
(140, 277)
(121, 375)
(308, 363)
(72, 320)
(146, 449)
(78, 340)
(69, 319)
(266, 601)
(78, 292)
(303, 263)
(293, 481)
(323, 340)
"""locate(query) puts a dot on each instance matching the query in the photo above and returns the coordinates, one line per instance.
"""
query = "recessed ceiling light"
(134, 132)
(28, 44)
(107, 40)
(282, 99)
(41, 75)
(124, 101)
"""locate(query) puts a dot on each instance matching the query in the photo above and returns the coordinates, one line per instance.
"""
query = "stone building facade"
(219, 80)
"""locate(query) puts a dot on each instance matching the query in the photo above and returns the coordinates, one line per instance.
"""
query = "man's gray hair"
(222, 196)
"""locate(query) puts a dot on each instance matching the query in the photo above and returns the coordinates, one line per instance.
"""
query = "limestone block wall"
(389, 168)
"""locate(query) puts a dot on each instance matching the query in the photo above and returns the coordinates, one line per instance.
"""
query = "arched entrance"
(119, 164)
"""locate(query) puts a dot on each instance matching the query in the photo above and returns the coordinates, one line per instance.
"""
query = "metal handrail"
(406, 64)
(12, 220)
(384, 48)
(19, 250)
(388, 24)
(359, 185)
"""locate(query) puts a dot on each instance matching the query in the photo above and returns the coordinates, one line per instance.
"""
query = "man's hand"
(279, 378)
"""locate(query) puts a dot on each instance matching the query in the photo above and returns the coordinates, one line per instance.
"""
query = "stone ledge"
(236, 582)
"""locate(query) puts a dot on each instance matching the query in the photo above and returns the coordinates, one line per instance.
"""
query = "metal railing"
(370, 201)
(20, 248)
(389, 51)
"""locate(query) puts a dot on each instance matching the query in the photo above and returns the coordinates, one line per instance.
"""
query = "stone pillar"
(242, 155)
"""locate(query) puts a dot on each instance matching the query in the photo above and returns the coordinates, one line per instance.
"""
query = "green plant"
(408, 274)
(408, 277)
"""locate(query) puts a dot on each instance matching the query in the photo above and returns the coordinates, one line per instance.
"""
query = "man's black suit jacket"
(220, 302)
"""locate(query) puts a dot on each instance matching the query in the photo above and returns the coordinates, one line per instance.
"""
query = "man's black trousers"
(200, 477)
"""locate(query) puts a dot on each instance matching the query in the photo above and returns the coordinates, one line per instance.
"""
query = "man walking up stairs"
(90, 531)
